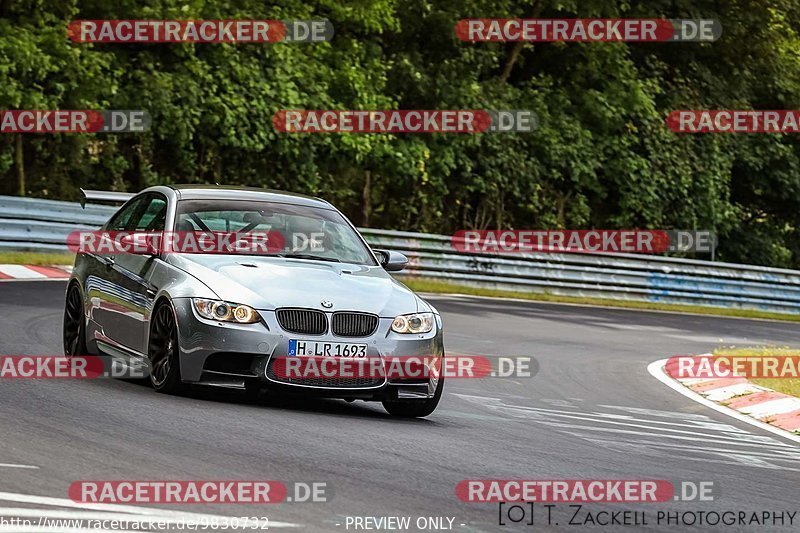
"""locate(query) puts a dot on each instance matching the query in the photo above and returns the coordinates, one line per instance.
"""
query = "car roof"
(233, 192)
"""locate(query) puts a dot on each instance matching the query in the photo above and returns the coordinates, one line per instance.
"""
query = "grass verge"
(784, 385)
(36, 258)
(443, 287)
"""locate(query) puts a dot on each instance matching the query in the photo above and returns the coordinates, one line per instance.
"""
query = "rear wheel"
(165, 370)
(415, 408)
(74, 332)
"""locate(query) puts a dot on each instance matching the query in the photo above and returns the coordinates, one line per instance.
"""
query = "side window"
(147, 213)
(121, 219)
(154, 215)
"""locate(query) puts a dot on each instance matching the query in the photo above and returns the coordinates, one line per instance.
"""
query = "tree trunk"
(137, 149)
(366, 199)
(20, 165)
(512, 59)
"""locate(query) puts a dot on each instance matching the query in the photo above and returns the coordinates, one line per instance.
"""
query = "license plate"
(303, 348)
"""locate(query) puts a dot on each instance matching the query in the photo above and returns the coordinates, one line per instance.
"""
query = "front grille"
(308, 321)
(346, 324)
(332, 382)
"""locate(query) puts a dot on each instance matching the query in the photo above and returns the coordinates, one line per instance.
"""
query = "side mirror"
(139, 244)
(392, 261)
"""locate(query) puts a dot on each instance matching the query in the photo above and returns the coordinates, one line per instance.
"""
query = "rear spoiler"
(105, 196)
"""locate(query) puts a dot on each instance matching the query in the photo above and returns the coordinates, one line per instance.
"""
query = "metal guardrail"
(42, 225)
(31, 224)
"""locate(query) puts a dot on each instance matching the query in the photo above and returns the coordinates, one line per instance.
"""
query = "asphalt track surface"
(592, 412)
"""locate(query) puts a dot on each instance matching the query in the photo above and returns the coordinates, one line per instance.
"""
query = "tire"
(162, 350)
(74, 325)
(415, 408)
(252, 391)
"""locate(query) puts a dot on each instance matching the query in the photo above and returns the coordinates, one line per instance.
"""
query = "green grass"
(784, 385)
(36, 258)
(442, 287)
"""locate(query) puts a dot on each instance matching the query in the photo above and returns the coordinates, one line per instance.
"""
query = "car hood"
(268, 283)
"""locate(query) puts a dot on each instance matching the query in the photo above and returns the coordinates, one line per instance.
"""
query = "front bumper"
(237, 356)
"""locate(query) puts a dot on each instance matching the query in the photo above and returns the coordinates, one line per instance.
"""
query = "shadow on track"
(284, 402)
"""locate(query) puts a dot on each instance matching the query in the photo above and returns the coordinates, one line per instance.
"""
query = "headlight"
(225, 311)
(415, 323)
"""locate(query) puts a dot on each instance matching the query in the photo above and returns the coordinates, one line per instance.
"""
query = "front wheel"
(74, 332)
(415, 408)
(165, 369)
(253, 391)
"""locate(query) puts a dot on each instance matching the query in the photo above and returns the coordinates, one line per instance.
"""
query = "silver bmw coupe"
(188, 317)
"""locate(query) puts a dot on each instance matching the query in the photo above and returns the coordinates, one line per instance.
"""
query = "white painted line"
(780, 455)
(129, 509)
(650, 434)
(726, 393)
(28, 512)
(12, 465)
(772, 407)
(671, 415)
(701, 454)
(21, 272)
(65, 502)
(738, 438)
(58, 529)
(656, 369)
(693, 381)
(38, 280)
(51, 519)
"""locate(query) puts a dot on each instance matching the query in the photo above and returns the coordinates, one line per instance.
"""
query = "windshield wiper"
(310, 256)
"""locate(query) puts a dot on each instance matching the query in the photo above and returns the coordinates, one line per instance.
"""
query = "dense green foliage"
(602, 157)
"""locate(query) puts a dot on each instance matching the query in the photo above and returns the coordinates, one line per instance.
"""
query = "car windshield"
(303, 232)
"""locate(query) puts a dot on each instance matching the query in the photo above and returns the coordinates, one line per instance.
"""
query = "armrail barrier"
(43, 225)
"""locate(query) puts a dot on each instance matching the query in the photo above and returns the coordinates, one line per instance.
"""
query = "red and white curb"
(13, 272)
(737, 397)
